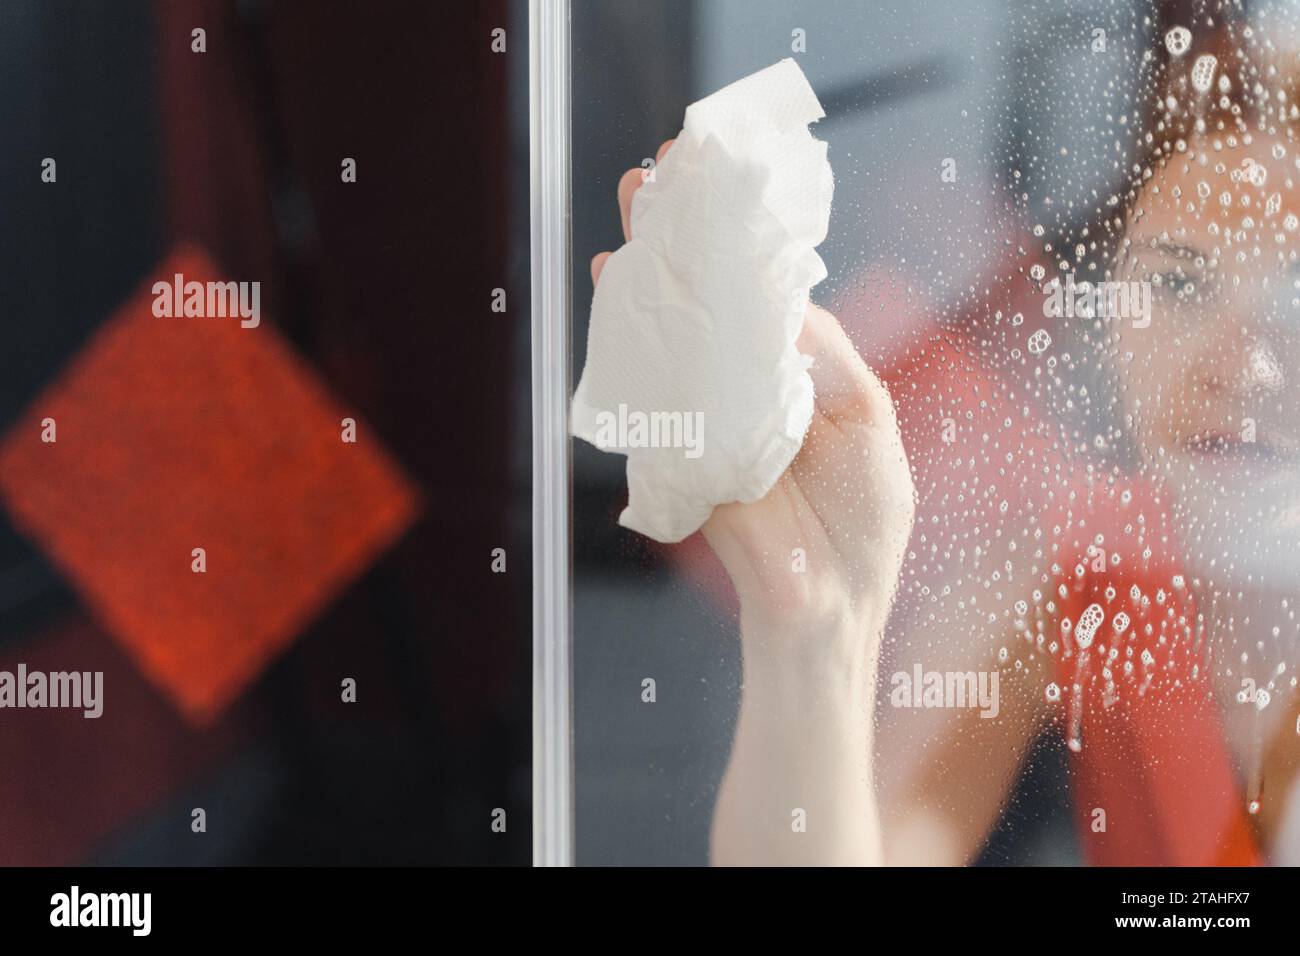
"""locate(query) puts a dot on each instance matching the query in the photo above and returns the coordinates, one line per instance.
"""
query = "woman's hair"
(1182, 104)
(1215, 76)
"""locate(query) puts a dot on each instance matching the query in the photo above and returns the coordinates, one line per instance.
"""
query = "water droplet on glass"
(1178, 40)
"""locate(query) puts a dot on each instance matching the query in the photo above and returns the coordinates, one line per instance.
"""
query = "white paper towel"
(693, 322)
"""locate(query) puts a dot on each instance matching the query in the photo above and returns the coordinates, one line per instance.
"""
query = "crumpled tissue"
(692, 369)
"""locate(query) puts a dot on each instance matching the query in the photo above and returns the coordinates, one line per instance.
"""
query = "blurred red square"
(183, 433)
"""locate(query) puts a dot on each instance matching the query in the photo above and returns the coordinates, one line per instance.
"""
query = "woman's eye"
(1177, 283)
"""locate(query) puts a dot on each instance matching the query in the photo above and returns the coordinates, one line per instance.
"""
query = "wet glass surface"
(1064, 236)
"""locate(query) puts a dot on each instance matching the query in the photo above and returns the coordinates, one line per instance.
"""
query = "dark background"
(384, 288)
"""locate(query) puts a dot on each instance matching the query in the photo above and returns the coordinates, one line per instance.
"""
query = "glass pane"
(1064, 238)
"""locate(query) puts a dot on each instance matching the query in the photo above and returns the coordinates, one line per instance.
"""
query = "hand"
(846, 500)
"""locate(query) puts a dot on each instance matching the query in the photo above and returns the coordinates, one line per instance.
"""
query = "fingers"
(846, 389)
(629, 184)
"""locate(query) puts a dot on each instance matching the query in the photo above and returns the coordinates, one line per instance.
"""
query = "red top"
(1153, 753)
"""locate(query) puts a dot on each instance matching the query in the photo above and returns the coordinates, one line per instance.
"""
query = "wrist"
(834, 645)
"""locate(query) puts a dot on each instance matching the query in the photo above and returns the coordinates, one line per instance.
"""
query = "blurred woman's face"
(1208, 389)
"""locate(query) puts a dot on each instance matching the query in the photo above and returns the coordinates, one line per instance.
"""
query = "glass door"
(1026, 592)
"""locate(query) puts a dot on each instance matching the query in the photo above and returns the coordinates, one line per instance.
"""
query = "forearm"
(798, 789)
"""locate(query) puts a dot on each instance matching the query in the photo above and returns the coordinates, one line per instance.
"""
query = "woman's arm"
(815, 564)
(799, 788)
